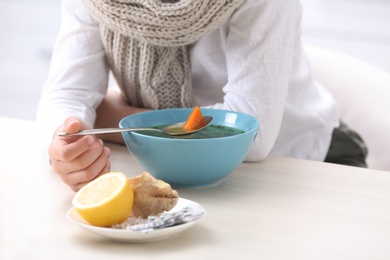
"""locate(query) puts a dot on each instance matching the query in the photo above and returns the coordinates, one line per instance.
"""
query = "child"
(237, 55)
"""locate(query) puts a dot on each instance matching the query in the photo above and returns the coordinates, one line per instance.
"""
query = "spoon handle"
(106, 131)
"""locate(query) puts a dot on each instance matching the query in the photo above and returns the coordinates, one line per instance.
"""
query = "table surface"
(280, 208)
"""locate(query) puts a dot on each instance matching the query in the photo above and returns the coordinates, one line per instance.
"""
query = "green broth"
(211, 131)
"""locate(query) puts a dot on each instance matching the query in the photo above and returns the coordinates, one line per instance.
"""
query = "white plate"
(137, 236)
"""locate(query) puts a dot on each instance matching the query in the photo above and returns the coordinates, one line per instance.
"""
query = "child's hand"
(78, 160)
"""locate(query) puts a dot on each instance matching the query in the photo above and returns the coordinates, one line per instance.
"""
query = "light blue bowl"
(189, 162)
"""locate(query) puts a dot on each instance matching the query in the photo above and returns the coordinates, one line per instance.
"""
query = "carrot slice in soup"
(195, 120)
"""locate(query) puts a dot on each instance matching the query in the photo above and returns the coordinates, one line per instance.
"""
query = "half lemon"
(106, 200)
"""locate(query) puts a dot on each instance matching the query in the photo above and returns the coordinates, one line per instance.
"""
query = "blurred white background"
(28, 28)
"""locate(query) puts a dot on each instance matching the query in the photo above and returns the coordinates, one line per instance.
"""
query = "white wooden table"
(280, 208)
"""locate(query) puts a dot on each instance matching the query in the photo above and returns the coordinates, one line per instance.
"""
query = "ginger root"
(151, 196)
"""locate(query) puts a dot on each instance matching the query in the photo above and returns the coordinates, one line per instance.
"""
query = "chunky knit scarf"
(146, 44)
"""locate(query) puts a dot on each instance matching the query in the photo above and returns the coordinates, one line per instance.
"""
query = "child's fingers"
(79, 178)
(84, 161)
(61, 150)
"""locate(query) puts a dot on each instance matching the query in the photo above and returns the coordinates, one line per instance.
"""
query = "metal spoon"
(175, 129)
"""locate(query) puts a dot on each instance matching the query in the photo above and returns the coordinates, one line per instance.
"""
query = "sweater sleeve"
(78, 75)
(259, 44)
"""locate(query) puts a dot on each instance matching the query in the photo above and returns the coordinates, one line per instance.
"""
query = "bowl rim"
(254, 129)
